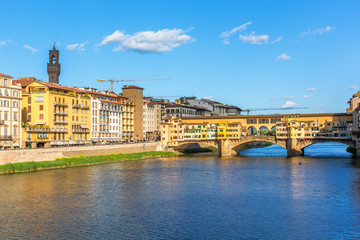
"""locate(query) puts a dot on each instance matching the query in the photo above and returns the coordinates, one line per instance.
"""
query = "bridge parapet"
(256, 138)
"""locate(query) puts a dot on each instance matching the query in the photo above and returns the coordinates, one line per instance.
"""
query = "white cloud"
(287, 87)
(33, 50)
(228, 34)
(308, 96)
(254, 39)
(289, 97)
(352, 88)
(273, 98)
(5, 42)
(76, 47)
(282, 57)
(289, 104)
(316, 31)
(208, 97)
(148, 41)
(276, 40)
(311, 89)
(116, 37)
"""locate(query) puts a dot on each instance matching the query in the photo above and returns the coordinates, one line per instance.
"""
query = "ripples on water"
(258, 195)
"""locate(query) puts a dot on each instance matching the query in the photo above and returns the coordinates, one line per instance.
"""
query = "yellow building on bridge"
(292, 131)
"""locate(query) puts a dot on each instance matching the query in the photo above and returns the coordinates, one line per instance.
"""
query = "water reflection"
(189, 197)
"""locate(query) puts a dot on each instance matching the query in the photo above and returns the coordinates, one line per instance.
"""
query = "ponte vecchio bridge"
(291, 131)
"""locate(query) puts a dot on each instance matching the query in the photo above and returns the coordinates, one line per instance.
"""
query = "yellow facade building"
(54, 115)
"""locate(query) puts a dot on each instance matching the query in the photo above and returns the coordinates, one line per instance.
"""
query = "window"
(29, 100)
(41, 116)
(5, 84)
(41, 107)
(39, 99)
(29, 109)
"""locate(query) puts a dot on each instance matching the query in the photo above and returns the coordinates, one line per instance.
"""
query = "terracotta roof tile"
(5, 76)
(102, 100)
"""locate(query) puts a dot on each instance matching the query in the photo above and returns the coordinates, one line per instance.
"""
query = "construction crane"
(112, 81)
(269, 109)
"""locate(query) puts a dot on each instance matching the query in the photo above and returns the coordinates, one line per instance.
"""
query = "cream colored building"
(10, 113)
(148, 120)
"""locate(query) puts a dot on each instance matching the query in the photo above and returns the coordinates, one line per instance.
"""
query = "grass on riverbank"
(201, 150)
(78, 161)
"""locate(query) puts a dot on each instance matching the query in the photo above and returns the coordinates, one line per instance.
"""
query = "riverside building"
(10, 113)
(134, 112)
(107, 111)
(54, 115)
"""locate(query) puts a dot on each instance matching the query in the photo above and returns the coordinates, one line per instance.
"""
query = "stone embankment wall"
(45, 154)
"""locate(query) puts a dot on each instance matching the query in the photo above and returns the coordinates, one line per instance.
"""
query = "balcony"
(80, 130)
(60, 113)
(6, 137)
(30, 129)
(2, 122)
(61, 121)
(60, 104)
(62, 130)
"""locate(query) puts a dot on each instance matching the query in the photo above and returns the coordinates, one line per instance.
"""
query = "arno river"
(258, 195)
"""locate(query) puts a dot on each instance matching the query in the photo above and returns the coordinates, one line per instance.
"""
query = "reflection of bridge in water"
(293, 132)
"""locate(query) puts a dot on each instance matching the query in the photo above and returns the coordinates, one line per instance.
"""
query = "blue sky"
(253, 54)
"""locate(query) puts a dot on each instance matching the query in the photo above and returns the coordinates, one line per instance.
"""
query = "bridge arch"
(306, 144)
(194, 145)
(264, 131)
(236, 146)
(252, 131)
(273, 130)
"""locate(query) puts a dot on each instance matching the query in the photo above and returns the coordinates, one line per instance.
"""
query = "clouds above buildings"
(251, 38)
(76, 47)
(308, 96)
(352, 88)
(254, 39)
(289, 104)
(147, 41)
(231, 32)
(282, 57)
(33, 50)
(289, 97)
(5, 42)
(311, 89)
(310, 32)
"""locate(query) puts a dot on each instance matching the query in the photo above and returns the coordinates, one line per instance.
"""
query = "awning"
(72, 142)
(16, 144)
(84, 126)
(40, 123)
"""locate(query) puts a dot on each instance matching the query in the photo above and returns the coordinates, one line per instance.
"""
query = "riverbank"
(66, 162)
(48, 154)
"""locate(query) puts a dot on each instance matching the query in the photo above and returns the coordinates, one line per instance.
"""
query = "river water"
(260, 194)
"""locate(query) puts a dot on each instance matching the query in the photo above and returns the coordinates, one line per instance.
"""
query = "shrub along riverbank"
(78, 161)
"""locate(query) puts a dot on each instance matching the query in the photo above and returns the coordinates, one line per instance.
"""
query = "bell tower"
(53, 66)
